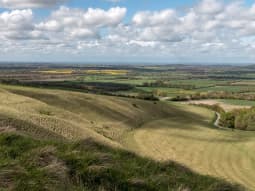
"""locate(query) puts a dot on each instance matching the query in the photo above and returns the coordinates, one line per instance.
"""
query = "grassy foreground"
(28, 164)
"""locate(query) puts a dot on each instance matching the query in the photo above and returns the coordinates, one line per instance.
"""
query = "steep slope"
(75, 115)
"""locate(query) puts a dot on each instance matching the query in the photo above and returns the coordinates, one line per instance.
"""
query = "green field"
(238, 102)
(198, 83)
(234, 89)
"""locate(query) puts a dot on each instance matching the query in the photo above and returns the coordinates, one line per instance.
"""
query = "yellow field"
(221, 153)
(107, 72)
(60, 71)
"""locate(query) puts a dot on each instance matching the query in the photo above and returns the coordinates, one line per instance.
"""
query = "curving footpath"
(217, 121)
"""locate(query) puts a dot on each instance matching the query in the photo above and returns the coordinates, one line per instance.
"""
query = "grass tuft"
(88, 165)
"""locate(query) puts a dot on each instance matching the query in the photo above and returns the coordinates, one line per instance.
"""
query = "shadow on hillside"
(146, 111)
(88, 165)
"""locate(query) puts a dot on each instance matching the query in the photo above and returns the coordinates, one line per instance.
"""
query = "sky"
(128, 31)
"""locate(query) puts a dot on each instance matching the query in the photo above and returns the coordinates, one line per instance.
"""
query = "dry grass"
(107, 72)
(75, 115)
(7, 176)
(209, 151)
(165, 132)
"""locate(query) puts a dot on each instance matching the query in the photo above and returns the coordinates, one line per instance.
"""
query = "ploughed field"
(227, 104)
(158, 130)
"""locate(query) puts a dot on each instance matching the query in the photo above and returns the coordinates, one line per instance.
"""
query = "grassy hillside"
(77, 139)
(75, 115)
(196, 144)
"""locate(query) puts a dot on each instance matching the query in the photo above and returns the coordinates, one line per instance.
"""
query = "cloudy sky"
(162, 31)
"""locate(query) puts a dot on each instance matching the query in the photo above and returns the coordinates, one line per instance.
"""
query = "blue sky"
(133, 5)
(166, 31)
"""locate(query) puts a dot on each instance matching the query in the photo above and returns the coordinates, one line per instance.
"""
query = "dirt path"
(217, 121)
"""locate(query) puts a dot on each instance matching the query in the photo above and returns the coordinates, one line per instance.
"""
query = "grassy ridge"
(75, 115)
(28, 164)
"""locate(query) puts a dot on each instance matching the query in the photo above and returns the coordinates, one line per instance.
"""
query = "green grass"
(199, 83)
(234, 89)
(238, 102)
(28, 164)
(137, 80)
(169, 91)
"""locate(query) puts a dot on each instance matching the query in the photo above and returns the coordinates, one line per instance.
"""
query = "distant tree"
(159, 93)
(228, 120)
(241, 122)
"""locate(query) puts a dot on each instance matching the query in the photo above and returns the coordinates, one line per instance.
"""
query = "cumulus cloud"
(210, 28)
(146, 18)
(210, 7)
(80, 23)
(13, 4)
(18, 25)
(210, 20)
(63, 24)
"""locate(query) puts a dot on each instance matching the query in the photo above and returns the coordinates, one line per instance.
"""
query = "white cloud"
(209, 29)
(18, 24)
(210, 7)
(80, 23)
(14, 4)
(18, 19)
(209, 18)
(146, 18)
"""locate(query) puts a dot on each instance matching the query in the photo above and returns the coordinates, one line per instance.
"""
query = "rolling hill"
(52, 136)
